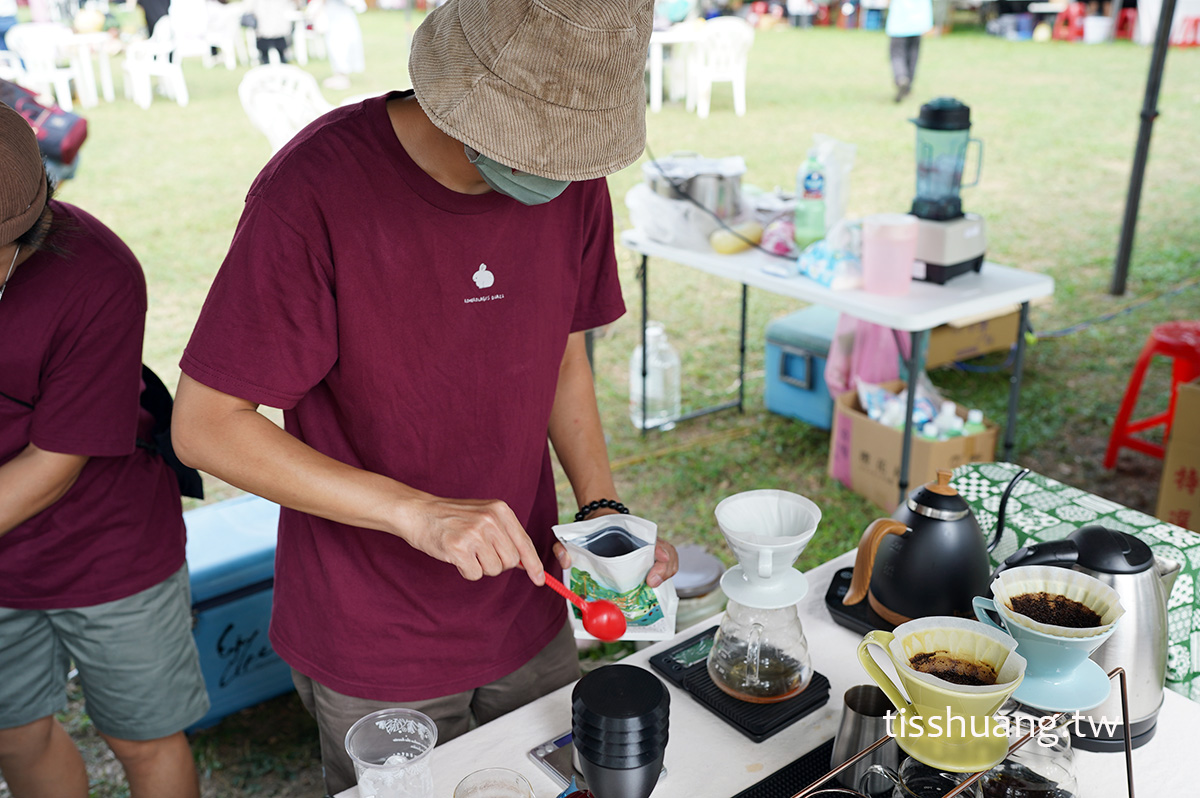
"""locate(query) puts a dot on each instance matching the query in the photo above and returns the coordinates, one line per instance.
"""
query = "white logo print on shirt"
(483, 280)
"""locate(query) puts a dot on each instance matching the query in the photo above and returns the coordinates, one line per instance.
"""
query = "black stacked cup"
(619, 717)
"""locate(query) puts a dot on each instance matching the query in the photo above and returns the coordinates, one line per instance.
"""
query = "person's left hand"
(666, 563)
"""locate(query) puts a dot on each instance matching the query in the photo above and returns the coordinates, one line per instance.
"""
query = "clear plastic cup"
(390, 750)
(494, 783)
(889, 247)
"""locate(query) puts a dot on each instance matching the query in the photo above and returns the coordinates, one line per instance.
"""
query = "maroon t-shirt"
(71, 328)
(414, 332)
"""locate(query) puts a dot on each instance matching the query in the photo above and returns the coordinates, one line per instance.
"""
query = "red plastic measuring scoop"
(601, 618)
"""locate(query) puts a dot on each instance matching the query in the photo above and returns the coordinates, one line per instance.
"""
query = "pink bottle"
(889, 247)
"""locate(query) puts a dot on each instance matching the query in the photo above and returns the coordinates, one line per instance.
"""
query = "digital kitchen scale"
(686, 665)
(858, 617)
(557, 758)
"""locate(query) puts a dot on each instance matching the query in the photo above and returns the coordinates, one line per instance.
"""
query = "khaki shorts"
(136, 658)
(554, 666)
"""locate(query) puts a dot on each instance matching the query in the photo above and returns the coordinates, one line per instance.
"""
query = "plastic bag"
(888, 408)
(610, 558)
(861, 350)
(838, 158)
(832, 268)
(669, 221)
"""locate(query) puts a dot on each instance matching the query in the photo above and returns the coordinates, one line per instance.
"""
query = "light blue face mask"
(523, 187)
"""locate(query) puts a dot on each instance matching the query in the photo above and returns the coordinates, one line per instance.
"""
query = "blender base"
(950, 247)
(936, 273)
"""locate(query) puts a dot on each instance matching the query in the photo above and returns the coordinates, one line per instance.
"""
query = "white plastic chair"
(280, 100)
(224, 32)
(151, 59)
(11, 68)
(44, 46)
(720, 57)
(201, 25)
(306, 42)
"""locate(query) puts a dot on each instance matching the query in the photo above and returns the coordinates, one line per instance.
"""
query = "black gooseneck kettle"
(929, 558)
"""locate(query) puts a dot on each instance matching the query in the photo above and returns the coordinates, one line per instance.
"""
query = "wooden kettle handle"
(865, 560)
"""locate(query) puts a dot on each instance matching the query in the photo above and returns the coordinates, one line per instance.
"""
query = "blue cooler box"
(797, 348)
(231, 559)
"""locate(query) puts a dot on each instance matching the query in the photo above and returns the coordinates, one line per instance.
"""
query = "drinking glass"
(494, 783)
(390, 750)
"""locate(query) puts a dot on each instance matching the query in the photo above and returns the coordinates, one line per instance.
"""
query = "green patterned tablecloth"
(1042, 509)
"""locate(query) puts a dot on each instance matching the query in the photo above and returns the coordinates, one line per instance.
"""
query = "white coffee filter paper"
(768, 517)
(961, 638)
(1075, 585)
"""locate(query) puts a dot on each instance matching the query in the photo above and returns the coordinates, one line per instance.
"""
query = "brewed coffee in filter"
(957, 647)
(1052, 591)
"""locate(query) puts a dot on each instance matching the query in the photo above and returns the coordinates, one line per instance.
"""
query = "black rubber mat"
(684, 665)
(756, 721)
(793, 777)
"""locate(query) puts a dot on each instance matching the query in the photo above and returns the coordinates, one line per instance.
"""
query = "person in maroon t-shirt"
(411, 281)
(92, 570)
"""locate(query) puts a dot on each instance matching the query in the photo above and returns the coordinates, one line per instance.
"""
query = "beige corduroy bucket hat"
(22, 176)
(550, 87)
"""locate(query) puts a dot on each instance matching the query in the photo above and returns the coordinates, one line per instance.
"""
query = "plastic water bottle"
(663, 392)
(949, 425)
(974, 424)
(810, 201)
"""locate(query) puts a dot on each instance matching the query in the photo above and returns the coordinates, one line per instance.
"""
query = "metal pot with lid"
(714, 184)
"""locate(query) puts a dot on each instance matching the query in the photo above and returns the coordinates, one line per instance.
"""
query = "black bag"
(249, 20)
(157, 400)
(60, 133)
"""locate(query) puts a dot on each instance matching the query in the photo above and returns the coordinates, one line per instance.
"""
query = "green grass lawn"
(1058, 122)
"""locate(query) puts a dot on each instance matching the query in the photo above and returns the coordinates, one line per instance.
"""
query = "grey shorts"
(136, 657)
(554, 666)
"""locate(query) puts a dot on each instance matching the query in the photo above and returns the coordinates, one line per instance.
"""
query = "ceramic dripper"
(767, 530)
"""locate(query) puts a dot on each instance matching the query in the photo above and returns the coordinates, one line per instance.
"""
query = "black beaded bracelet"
(592, 507)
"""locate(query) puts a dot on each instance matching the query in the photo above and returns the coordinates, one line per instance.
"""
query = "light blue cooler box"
(797, 348)
(231, 559)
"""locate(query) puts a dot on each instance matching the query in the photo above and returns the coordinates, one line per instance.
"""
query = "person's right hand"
(478, 537)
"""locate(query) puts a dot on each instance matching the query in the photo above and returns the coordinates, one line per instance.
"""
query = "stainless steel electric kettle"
(1139, 644)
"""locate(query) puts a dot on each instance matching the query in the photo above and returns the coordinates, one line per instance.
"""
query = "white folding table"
(926, 306)
(684, 33)
(707, 758)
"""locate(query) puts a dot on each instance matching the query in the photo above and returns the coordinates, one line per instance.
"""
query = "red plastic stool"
(1125, 23)
(1189, 33)
(1068, 25)
(1179, 340)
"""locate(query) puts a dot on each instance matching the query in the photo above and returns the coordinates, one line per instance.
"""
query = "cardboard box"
(864, 455)
(1179, 492)
(968, 338)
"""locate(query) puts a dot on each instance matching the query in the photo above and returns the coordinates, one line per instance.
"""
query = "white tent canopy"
(1148, 13)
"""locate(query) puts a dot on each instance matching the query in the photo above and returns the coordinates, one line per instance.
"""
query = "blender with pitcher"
(949, 241)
